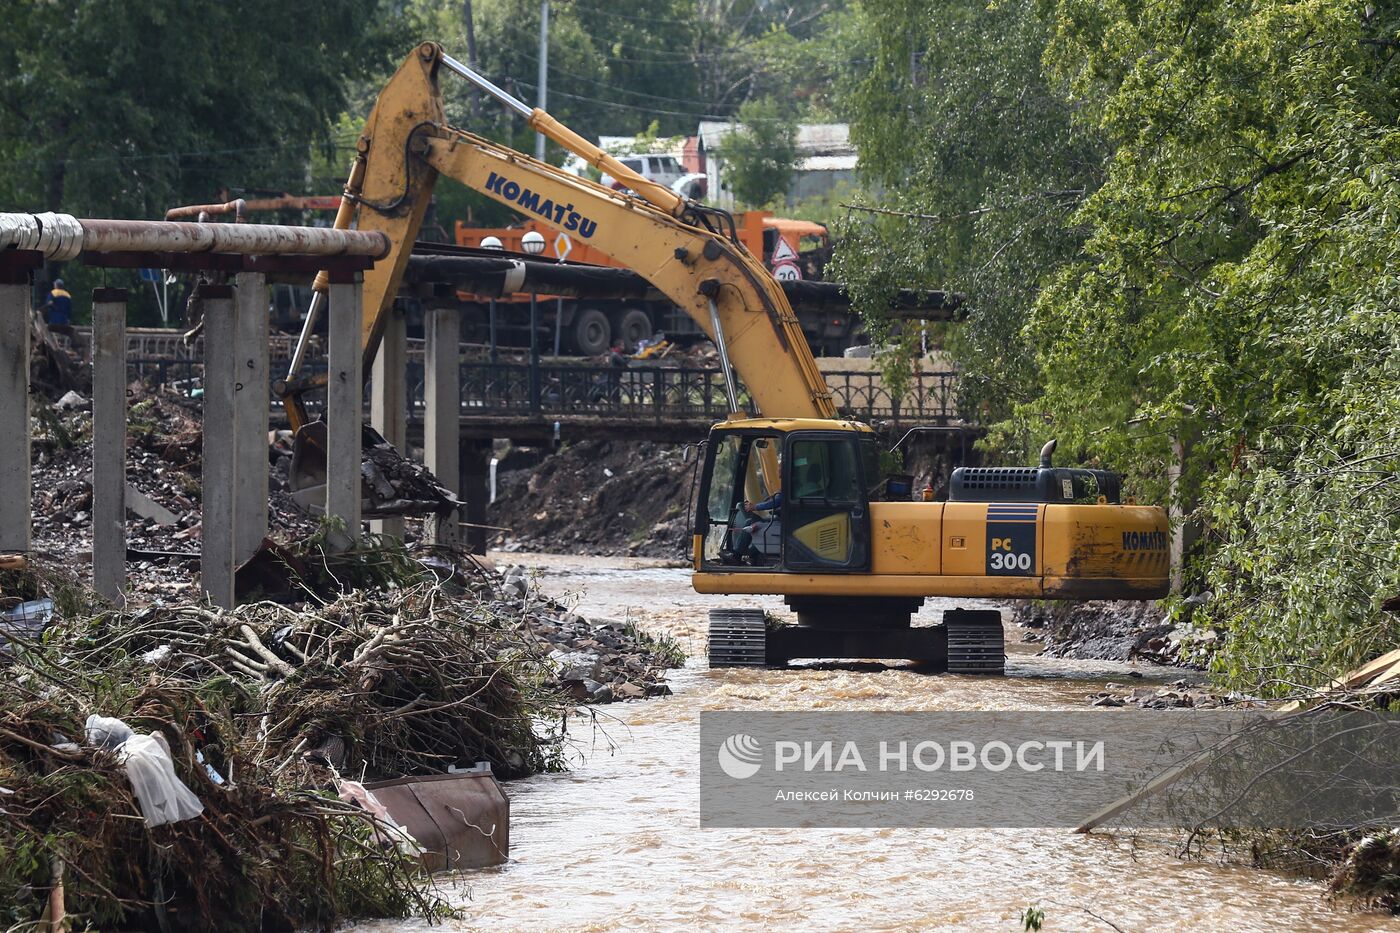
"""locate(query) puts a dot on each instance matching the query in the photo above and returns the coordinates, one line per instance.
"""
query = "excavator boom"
(680, 247)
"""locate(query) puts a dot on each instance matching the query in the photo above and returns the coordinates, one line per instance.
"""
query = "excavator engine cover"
(1033, 484)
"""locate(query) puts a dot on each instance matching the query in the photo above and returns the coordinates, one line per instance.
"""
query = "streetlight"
(533, 243)
(493, 242)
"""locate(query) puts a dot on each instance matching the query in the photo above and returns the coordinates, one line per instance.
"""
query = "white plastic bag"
(106, 731)
(162, 795)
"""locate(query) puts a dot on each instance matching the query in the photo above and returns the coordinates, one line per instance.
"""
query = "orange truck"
(792, 249)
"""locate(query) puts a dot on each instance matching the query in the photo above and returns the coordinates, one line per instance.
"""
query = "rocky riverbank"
(1111, 630)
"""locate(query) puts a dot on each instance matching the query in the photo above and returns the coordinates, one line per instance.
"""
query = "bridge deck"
(651, 402)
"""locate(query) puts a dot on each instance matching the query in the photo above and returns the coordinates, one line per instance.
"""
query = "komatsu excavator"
(853, 568)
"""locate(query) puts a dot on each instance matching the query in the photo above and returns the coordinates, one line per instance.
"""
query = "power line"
(340, 142)
(719, 118)
(650, 20)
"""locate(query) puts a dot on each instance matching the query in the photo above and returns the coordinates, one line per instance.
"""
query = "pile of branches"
(269, 851)
(383, 683)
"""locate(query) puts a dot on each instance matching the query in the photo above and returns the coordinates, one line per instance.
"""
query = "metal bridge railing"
(655, 394)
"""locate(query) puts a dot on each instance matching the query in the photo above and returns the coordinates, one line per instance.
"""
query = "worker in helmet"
(59, 315)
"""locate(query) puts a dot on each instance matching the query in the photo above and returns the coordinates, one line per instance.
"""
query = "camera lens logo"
(740, 756)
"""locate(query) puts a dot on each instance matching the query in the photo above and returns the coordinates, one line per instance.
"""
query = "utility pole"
(473, 99)
(543, 103)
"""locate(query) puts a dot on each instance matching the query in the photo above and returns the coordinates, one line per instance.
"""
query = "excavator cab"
(824, 473)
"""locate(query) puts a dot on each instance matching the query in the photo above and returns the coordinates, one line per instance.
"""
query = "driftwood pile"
(273, 849)
(385, 684)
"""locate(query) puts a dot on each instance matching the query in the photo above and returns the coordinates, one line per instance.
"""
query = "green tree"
(760, 153)
(1237, 292)
(117, 109)
(973, 164)
(113, 109)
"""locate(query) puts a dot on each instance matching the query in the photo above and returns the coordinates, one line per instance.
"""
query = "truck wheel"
(592, 334)
(633, 328)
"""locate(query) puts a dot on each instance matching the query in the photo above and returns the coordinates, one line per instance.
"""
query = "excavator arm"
(685, 250)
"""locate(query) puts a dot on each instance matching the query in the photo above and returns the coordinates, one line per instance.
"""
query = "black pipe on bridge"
(492, 274)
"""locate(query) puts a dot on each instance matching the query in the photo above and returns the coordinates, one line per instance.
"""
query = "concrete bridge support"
(250, 413)
(109, 442)
(388, 401)
(442, 391)
(344, 395)
(219, 463)
(16, 269)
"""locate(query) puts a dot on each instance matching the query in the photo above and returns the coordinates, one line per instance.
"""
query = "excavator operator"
(743, 542)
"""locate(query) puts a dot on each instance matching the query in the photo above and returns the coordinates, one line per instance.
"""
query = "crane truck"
(854, 568)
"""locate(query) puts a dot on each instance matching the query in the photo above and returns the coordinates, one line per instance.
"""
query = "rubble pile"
(390, 666)
(164, 450)
(405, 682)
(599, 661)
(599, 497)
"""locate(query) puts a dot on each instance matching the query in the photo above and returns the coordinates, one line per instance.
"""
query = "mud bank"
(607, 498)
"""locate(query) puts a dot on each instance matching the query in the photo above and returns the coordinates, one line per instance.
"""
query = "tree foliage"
(1175, 226)
(1238, 292)
(117, 109)
(760, 152)
(962, 138)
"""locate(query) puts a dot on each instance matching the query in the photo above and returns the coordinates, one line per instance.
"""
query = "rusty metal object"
(462, 820)
(237, 207)
(62, 237)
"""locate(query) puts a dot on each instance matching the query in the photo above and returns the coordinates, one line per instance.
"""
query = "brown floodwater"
(615, 843)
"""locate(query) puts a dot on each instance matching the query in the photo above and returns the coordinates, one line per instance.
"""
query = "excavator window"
(826, 524)
(745, 467)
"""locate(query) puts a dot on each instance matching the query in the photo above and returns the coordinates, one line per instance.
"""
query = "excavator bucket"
(390, 483)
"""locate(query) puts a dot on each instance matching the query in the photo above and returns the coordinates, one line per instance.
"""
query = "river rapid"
(615, 843)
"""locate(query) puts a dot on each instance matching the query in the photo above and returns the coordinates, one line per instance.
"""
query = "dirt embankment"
(598, 497)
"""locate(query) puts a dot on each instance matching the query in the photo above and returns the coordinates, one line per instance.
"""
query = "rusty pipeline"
(62, 237)
(237, 207)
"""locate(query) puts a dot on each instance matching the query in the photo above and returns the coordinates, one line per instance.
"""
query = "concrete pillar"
(388, 401)
(475, 491)
(344, 391)
(250, 402)
(109, 441)
(15, 515)
(442, 395)
(219, 465)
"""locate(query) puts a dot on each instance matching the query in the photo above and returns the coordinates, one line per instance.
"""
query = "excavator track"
(738, 638)
(976, 641)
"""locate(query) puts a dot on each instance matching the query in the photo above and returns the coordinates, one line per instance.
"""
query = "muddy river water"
(615, 843)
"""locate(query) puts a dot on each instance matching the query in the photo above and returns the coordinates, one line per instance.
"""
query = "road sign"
(786, 272)
(150, 275)
(563, 245)
(783, 252)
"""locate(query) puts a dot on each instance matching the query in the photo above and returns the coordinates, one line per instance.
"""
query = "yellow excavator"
(790, 497)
